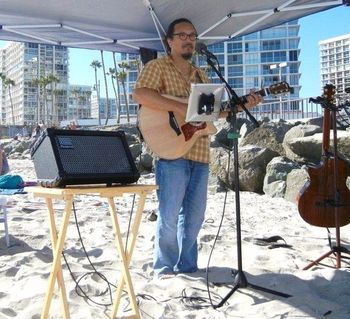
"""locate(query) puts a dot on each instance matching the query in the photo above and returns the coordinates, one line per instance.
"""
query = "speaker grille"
(92, 154)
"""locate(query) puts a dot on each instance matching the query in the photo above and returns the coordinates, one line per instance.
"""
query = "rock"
(305, 150)
(252, 166)
(269, 135)
(146, 162)
(275, 189)
(276, 175)
(136, 150)
(296, 179)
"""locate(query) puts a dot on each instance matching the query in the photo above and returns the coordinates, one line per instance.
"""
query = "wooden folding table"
(58, 238)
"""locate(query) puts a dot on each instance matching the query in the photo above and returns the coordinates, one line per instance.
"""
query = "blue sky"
(313, 28)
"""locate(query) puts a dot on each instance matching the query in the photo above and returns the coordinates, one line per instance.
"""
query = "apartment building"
(257, 60)
(39, 75)
(335, 64)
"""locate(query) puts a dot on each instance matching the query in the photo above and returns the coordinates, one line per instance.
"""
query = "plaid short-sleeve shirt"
(164, 77)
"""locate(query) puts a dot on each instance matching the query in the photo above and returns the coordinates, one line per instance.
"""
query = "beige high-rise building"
(335, 64)
(26, 101)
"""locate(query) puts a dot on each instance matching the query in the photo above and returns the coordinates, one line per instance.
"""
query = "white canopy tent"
(128, 25)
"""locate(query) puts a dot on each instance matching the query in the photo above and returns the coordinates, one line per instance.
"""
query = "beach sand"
(320, 292)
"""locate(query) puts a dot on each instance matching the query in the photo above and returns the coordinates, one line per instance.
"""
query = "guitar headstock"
(281, 87)
(329, 93)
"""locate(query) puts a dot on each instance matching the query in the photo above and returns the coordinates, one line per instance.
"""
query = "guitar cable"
(79, 290)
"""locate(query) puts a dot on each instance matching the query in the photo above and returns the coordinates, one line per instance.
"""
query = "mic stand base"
(241, 281)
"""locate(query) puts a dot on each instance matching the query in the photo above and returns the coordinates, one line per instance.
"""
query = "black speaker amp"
(75, 157)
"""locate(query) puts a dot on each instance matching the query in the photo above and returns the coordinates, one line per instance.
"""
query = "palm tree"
(76, 93)
(9, 83)
(52, 80)
(55, 115)
(96, 65)
(42, 83)
(106, 88)
(36, 82)
(113, 74)
(118, 87)
(84, 98)
(122, 77)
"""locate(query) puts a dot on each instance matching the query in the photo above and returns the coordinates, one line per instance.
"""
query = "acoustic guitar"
(170, 137)
(326, 195)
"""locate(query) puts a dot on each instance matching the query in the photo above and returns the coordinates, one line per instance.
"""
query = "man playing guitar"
(182, 181)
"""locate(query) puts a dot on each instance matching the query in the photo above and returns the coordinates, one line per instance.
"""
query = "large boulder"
(276, 176)
(296, 180)
(252, 161)
(291, 142)
(308, 150)
(268, 135)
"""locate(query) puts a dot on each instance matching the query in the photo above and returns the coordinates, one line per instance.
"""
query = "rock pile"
(272, 158)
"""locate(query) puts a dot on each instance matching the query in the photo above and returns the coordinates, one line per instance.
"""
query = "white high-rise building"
(254, 61)
(39, 77)
(335, 64)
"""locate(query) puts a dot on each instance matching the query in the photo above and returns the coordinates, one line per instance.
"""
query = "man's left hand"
(253, 99)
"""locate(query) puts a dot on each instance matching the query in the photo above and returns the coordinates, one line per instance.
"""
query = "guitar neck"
(278, 88)
(263, 92)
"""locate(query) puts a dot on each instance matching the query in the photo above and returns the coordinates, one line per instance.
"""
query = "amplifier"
(75, 157)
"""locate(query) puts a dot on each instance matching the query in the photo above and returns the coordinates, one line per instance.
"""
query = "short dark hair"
(170, 31)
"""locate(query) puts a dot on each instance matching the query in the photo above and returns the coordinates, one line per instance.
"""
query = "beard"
(187, 56)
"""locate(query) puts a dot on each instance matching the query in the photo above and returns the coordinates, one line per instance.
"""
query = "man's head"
(181, 38)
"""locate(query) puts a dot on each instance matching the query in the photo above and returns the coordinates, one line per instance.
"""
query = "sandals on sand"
(271, 242)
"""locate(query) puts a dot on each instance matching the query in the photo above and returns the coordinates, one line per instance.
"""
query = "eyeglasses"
(183, 36)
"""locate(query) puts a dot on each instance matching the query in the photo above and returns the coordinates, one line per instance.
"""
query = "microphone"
(201, 48)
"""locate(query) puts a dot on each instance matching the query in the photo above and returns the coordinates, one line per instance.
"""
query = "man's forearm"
(152, 99)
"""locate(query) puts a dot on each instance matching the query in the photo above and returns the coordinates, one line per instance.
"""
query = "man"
(4, 165)
(182, 182)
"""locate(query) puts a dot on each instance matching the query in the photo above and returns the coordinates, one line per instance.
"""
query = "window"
(251, 46)
(252, 58)
(293, 55)
(235, 71)
(235, 59)
(216, 48)
(278, 56)
(252, 70)
(272, 45)
(252, 82)
(233, 47)
(236, 82)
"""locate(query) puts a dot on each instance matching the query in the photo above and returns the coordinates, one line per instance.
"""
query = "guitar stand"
(240, 280)
(337, 250)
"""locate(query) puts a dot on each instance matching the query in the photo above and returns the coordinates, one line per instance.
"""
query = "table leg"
(126, 254)
(57, 247)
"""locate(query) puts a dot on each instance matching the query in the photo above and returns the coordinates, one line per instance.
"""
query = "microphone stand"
(240, 280)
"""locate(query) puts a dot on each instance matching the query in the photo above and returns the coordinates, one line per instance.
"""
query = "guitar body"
(316, 199)
(170, 137)
(163, 139)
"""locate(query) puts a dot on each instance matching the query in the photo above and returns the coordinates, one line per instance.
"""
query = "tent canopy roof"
(127, 25)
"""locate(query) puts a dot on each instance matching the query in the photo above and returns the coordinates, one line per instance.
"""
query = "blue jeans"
(182, 196)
